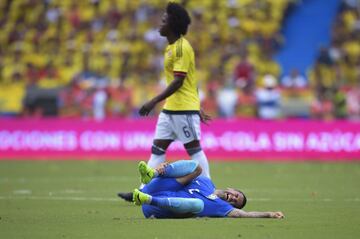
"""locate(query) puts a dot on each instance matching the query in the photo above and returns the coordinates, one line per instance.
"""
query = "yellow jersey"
(179, 60)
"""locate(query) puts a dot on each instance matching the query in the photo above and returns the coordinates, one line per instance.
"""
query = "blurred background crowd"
(103, 59)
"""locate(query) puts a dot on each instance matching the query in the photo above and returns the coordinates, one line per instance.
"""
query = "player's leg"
(158, 151)
(164, 135)
(179, 169)
(196, 153)
(181, 206)
(173, 177)
(188, 131)
(155, 159)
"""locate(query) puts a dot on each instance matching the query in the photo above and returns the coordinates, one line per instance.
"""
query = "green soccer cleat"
(146, 173)
(140, 198)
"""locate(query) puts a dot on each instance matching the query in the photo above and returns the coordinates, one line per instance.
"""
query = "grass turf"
(77, 199)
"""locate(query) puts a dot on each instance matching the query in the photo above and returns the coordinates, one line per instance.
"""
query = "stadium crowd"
(335, 76)
(97, 59)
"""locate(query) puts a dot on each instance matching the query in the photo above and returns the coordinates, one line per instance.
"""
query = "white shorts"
(185, 127)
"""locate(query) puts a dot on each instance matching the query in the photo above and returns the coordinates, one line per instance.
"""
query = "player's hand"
(204, 118)
(161, 168)
(278, 215)
(147, 108)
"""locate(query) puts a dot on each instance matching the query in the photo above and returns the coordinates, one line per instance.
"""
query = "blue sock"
(160, 202)
(179, 205)
(180, 168)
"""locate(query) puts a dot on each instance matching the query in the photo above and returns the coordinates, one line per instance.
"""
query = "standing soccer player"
(181, 115)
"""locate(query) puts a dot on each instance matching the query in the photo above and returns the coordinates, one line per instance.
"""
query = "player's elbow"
(237, 213)
(179, 81)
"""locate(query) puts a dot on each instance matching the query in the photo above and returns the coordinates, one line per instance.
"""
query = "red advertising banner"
(221, 140)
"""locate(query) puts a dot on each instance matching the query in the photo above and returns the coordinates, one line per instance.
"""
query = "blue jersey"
(201, 188)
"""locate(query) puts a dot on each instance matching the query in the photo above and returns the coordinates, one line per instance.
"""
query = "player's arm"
(171, 89)
(238, 213)
(205, 118)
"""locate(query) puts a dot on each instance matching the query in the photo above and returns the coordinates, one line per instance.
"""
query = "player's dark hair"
(178, 18)
(244, 199)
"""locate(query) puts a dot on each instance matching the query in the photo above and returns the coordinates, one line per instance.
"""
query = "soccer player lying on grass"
(177, 191)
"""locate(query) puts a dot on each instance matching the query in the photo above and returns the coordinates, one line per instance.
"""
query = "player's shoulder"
(186, 44)
(182, 46)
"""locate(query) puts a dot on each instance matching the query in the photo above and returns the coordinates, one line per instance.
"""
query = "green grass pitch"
(77, 199)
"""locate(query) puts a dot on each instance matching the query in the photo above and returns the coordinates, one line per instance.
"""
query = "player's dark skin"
(178, 81)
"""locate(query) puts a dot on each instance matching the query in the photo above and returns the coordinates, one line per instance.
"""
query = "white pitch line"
(22, 191)
(100, 199)
(56, 198)
(67, 179)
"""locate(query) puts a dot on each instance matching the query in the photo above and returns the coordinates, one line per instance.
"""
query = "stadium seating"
(335, 76)
(75, 49)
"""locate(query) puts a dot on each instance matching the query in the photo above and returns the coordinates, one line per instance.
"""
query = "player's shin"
(180, 168)
(179, 205)
(157, 157)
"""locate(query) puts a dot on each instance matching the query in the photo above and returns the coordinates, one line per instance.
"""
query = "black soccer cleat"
(126, 196)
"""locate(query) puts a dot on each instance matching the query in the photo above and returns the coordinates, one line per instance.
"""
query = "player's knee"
(192, 151)
(157, 150)
(186, 167)
(193, 166)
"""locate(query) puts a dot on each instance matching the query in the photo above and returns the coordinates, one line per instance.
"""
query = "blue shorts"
(160, 187)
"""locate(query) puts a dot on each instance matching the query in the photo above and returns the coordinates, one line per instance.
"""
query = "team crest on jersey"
(169, 53)
(212, 197)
